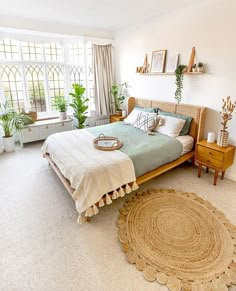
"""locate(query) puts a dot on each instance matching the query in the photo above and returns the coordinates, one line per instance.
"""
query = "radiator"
(102, 122)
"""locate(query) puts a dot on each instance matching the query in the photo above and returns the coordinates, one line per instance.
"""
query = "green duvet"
(147, 152)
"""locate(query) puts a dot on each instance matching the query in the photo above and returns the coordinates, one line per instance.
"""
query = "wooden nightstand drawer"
(211, 162)
(209, 153)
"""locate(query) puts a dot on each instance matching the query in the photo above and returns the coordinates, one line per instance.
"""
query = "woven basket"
(222, 138)
(32, 115)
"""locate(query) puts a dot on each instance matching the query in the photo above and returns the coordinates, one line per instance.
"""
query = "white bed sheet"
(187, 142)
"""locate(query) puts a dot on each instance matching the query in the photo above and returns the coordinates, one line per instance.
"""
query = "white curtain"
(103, 78)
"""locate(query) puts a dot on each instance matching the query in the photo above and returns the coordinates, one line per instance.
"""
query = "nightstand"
(115, 118)
(214, 157)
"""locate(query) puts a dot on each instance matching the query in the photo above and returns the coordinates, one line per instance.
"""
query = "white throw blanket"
(91, 172)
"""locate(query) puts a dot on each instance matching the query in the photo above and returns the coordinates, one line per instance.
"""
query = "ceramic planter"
(9, 144)
(222, 138)
(62, 116)
(200, 69)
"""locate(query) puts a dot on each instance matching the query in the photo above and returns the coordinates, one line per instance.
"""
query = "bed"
(138, 152)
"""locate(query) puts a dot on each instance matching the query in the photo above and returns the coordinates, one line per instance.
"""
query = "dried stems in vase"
(227, 111)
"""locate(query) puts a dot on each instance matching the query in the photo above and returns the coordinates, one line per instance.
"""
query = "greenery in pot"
(200, 65)
(60, 103)
(179, 82)
(79, 104)
(118, 95)
(227, 111)
(11, 120)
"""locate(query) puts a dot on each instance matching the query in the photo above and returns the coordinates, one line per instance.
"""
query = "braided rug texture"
(179, 240)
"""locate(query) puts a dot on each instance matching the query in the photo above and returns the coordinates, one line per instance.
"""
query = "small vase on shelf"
(223, 138)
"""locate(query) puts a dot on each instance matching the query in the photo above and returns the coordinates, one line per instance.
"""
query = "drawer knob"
(29, 129)
(62, 124)
(47, 126)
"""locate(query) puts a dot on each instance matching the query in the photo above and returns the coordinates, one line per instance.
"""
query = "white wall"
(210, 27)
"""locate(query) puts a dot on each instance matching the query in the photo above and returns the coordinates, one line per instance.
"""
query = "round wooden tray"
(107, 143)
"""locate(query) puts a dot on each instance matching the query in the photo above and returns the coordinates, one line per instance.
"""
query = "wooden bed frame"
(196, 131)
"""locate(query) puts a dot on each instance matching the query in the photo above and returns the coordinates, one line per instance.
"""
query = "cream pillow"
(145, 121)
(170, 126)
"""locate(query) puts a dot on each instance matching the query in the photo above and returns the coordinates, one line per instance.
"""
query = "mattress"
(187, 142)
(147, 152)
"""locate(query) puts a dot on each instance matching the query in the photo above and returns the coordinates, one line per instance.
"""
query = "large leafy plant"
(79, 104)
(118, 95)
(11, 120)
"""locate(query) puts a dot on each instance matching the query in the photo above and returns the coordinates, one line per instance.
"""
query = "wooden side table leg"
(199, 170)
(216, 177)
(207, 169)
(222, 175)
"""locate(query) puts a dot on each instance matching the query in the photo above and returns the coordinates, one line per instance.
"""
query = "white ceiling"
(110, 15)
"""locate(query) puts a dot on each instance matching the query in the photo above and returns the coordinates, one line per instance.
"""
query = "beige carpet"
(178, 239)
(42, 247)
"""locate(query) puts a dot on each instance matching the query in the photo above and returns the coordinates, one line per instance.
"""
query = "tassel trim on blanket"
(93, 210)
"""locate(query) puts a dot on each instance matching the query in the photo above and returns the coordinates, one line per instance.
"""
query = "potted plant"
(79, 104)
(194, 68)
(226, 115)
(200, 67)
(179, 74)
(11, 121)
(118, 95)
(61, 105)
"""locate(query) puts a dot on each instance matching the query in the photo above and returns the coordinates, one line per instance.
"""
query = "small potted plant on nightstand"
(61, 105)
(11, 121)
(200, 67)
(118, 95)
(194, 68)
(226, 115)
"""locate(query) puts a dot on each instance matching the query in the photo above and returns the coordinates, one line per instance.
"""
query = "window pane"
(53, 52)
(56, 83)
(89, 55)
(8, 49)
(76, 53)
(32, 51)
(12, 86)
(35, 87)
(77, 75)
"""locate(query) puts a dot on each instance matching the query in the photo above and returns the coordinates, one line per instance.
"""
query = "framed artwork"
(172, 63)
(158, 61)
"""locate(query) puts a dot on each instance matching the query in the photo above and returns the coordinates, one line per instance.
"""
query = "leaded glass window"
(90, 79)
(55, 82)
(32, 51)
(35, 88)
(8, 49)
(77, 75)
(53, 52)
(76, 53)
(12, 86)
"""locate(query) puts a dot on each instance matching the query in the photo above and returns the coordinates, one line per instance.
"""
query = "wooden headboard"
(196, 112)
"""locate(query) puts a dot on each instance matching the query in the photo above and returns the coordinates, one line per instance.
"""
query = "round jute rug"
(178, 239)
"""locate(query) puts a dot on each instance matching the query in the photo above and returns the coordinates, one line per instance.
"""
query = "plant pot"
(62, 115)
(200, 69)
(222, 138)
(194, 70)
(118, 112)
(9, 144)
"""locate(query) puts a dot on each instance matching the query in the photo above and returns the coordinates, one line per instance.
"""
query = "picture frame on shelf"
(158, 61)
(171, 63)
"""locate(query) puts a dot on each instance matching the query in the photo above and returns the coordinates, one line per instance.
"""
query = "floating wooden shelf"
(186, 73)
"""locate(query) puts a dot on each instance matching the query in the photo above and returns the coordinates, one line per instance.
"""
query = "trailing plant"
(179, 82)
(79, 104)
(227, 111)
(60, 103)
(118, 95)
(11, 120)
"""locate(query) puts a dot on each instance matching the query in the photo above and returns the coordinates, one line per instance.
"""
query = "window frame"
(45, 64)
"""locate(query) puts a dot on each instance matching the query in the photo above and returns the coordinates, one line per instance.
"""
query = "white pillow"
(145, 121)
(171, 126)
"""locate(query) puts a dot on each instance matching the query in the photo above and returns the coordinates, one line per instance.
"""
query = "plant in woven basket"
(227, 111)
(179, 82)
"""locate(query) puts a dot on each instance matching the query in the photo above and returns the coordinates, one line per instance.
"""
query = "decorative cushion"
(171, 126)
(186, 127)
(143, 120)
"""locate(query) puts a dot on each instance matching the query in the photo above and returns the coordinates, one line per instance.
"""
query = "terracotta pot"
(222, 138)
(118, 112)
